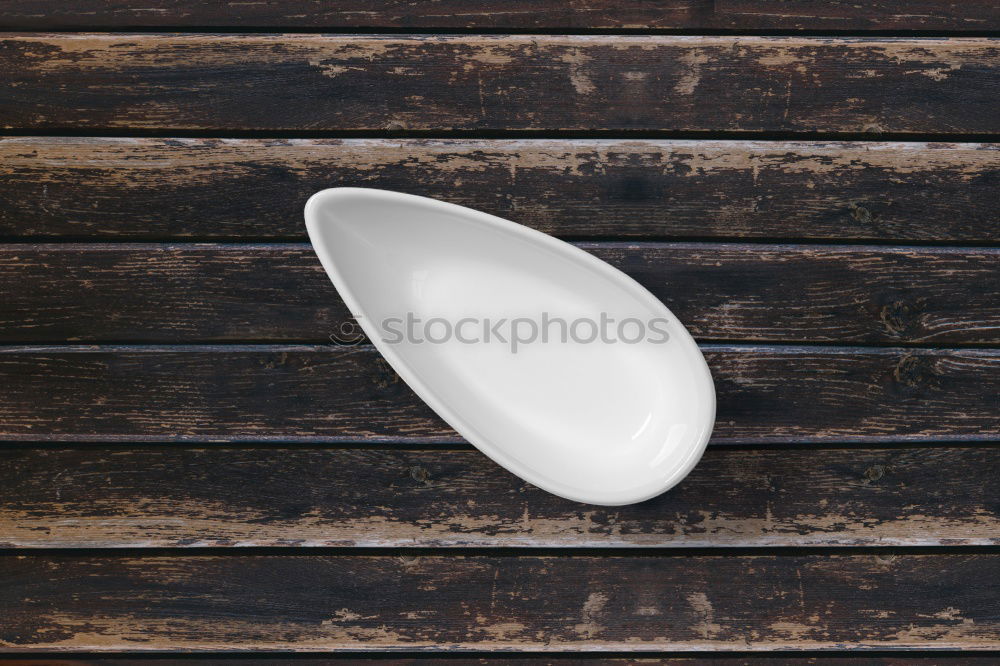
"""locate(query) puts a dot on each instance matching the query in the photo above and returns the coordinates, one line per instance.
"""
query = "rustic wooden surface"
(187, 463)
(274, 393)
(125, 292)
(243, 189)
(528, 82)
(317, 602)
(139, 497)
(595, 659)
(565, 15)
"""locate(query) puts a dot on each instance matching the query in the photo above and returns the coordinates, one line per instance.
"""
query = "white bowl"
(613, 420)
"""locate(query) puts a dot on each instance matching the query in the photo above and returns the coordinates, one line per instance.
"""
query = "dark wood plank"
(971, 15)
(303, 603)
(530, 82)
(743, 659)
(349, 394)
(722, 292)
(650, 658)
(63, 187)
(581, 659)
(874, 15)
(179, 497)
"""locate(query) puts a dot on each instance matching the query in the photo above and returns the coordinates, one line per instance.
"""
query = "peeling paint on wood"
(349, 394)
(524, 82)
(318, 603)
(221, 497)
(725, 292)
(248, 188)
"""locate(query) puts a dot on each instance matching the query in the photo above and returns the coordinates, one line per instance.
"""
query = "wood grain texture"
(180, 497)
(971, 15)
(105, 188)
(349, 394)
(304, 603)
(441, 83)
(128, 293)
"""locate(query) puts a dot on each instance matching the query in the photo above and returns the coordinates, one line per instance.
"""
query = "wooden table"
(189, 464)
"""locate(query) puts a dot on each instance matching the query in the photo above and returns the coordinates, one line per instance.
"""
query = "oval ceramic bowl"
(595, 410)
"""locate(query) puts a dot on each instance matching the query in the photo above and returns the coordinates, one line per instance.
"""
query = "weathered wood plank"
(311, 603)
(245, 188)
(529, 82)
(722, 292)
(179, 497)
(646, 658)
(595, 659)
(875, 15)
(349, 394)
(971, 15)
